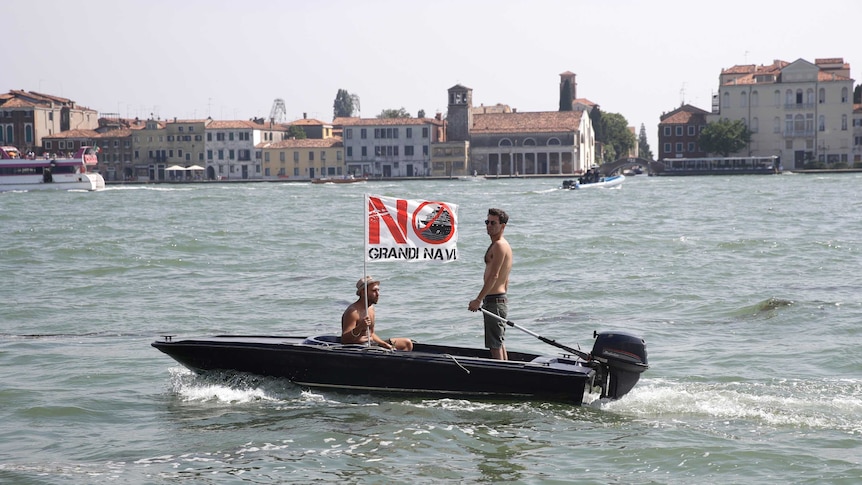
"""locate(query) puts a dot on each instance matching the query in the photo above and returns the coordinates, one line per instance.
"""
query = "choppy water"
(747, 289)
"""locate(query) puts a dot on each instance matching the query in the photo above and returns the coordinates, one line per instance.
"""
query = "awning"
(195, 167)
(175, 167)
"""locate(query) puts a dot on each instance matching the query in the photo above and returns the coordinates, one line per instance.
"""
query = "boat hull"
(81, 181)
(605, 183)
(428, 370)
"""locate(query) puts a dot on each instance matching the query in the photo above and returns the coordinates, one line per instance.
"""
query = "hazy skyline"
(231, 60)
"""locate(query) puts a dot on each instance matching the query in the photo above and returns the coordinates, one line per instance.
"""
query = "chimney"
(305, 116)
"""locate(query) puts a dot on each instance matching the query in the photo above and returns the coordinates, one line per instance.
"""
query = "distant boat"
(31, 173)
(603, 183)
(344, 180)
(767, 165)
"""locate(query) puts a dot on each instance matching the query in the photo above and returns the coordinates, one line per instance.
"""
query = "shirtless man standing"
(492, 297)
(357, 322)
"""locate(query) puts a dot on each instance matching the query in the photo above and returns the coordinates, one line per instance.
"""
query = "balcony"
(799, 133)
(798, 106)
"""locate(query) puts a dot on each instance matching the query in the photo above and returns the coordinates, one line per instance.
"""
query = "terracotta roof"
(682, 115)
(333, 142)
(533, 122)
(74, 134)
(118, 133)
(385, 121)
(18, 103)
(234, 125)
(308, 122)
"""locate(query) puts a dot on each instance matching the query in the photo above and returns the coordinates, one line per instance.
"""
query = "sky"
(190, 59)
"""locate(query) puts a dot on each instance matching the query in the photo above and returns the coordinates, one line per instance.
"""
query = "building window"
(667, 131)
(822, 96)
(755, 99)
(776, 125)
(310, 156)
(691, 147)
(667, 147)
(409, 132)
(679, 147)
(776, 98)
(679, 131)
(348, 133)
(364, 151)
(743, 99)
(821, 123)
(350, 151)
(408, 150)
(363, 133)
(726, 100)
(844, 122)
(844, 96)
(755, 125)
(690, 130)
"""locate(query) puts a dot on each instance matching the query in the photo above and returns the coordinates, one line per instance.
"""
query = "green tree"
(394, 113)
(296, 132)
(857, 94)
(643, 145)
(566, 96)
(421, 113)
(343, 105)
(724, 137)
(596, 120)
(616, 134)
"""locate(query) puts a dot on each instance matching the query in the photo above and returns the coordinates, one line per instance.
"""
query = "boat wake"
(780, 403)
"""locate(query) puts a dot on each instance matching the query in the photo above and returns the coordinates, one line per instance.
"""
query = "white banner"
(410, 230)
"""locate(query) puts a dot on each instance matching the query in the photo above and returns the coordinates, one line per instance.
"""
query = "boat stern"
(622, 358)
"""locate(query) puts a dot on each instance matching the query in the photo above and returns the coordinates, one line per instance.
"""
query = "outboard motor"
(623, 358)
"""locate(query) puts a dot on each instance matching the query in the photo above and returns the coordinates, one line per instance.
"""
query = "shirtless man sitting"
(357, 322)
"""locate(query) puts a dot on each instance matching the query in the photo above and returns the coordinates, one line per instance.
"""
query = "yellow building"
(303, 159)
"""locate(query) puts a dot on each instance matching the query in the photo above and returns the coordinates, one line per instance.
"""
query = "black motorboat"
(611, 369)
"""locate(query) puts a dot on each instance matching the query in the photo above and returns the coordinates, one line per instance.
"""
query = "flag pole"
(365, 265)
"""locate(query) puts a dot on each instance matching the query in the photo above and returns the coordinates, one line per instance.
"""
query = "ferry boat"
(28, 173)
(717, 166)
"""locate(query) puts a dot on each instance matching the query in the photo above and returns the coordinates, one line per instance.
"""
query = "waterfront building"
(678, 132)
(799, 111)
(304, 159)
(857, 135)
(27, 117)
(389, 147)
(66, 143)
(508, 143)
(313, 128)
(231, 151)
(116, 147)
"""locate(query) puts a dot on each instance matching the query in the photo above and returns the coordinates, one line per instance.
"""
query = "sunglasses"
(491, 223)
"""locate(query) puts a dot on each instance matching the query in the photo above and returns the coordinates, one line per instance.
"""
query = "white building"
(389, 147)
(800, 111)
(230, 147)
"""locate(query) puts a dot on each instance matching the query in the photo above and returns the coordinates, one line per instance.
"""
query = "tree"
(596, 120)
(343, 105)
(857, 94)
(616, 134)
(394, 113)
(296, 132)
(643, 145)
(566, 96)
(724, 137)
(421, 113)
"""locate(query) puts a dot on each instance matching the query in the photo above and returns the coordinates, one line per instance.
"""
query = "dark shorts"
(495, 329)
